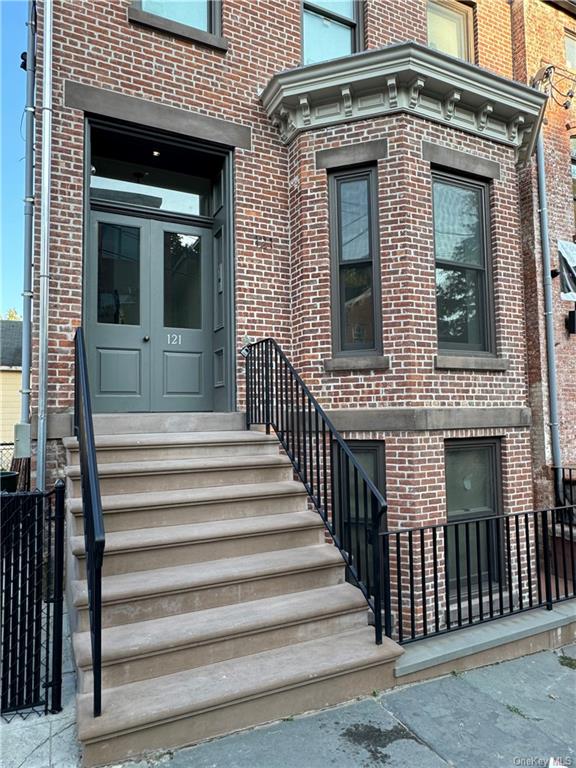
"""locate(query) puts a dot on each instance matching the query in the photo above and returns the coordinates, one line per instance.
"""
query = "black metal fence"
(441, 578)
(6, 454)
(567, 491)
(32, 565)
(338, 487)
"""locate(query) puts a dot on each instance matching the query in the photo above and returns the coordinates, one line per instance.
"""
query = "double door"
(148, 315)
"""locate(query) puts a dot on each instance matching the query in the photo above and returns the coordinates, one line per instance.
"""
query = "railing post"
(546, 553)
(56, 683)
(386, 585)
(247, 361)
(377, 512)
(267, 385)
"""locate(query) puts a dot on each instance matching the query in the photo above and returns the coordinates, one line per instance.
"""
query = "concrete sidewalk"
(517, 713)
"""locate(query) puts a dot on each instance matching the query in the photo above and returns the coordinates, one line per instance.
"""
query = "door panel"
(118, 313)
(181, 318)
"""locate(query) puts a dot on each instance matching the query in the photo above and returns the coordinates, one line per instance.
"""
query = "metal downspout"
(549, 317)
(44, 276)
(28, 216)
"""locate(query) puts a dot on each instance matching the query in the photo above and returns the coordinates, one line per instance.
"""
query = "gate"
(32, 565)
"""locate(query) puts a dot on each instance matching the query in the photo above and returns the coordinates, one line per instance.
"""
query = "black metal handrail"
(349, 503)
(441, 578)
(94, 535)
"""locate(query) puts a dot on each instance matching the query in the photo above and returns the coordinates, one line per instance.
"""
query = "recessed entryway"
(157, 296)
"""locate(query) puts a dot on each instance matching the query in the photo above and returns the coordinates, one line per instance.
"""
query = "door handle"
(146, 338)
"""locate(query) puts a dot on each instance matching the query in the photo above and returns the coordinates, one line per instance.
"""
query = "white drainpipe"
(44, 274)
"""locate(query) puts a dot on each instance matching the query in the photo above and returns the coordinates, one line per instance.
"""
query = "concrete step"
(187, 707)
(144, 595)
(127, 511)
(147, 423)
(177, 643)
(120, 448)
(137, 477)
(150, 548)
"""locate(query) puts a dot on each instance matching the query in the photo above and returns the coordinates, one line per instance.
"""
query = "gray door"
(148, 309)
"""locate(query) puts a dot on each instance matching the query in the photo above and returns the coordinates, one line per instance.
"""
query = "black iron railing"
(94, 536)
(350, 505)
(441, 578)
(31, 607)
(566, 494)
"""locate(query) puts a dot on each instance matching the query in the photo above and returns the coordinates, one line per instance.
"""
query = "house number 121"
(174, 338)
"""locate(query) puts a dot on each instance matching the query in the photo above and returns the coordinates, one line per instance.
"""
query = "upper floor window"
(570, 49)
(463, 281)
(330, 29)
(355, 281)
(450, 28)
(192, 13)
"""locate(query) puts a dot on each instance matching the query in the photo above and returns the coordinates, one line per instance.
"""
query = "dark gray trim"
(495, 454)
(471, 363)
(99, 101)
(138, 16)
(428, 419)
(335, 265)
(460, 161)
(379, 448)
(354, 154)
(359, 363)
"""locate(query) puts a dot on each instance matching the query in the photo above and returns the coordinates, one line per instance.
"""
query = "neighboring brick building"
(545, 35)
(357, 181)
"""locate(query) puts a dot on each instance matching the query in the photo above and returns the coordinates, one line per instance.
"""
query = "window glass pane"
(458, 224)
(182, 281)
(447, 30)
(460, 306)
(570, 48)
(194, 13)
(341, 7)
(357, 307)
(354, 220)
(325, 39)
(469, 481)
(118, 274)
(133, 171)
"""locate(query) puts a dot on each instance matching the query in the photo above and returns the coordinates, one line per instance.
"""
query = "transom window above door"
(451, 28)
(331, 28)
(132, 171)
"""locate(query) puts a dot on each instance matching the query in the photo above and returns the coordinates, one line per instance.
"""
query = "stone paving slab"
(519, 712)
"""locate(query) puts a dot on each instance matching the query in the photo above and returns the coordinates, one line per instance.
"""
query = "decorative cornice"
(406, 77)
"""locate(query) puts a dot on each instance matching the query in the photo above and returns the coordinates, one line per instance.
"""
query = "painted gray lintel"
(136, 14)
(353, 154)
(433, 651)
(427, 419)
(460, 161)
(471, 363)
(58, 425)
(99, 101)
(359, 363)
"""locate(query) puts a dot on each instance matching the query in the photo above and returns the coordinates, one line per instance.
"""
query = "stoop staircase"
(222, 605)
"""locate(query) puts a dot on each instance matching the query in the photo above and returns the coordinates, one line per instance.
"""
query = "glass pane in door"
(182, 281)
(118, 274)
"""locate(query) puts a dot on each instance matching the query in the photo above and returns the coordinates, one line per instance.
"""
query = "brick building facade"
(397, 109)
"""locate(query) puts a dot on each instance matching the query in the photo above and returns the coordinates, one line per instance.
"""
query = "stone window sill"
(471, 363)
(358, 363)
(139, 16)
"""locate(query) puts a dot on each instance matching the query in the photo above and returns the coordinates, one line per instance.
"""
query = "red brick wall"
(539, 30)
